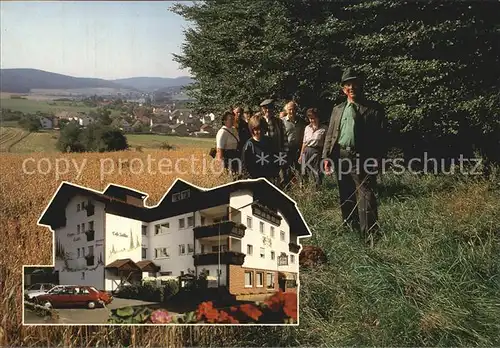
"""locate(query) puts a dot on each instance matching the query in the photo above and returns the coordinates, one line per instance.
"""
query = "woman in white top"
(312, 146)
(227, 142)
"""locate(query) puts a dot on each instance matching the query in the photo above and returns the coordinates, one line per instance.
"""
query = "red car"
(74, 295)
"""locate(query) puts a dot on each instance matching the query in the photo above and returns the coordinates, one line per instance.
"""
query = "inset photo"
(225, 255)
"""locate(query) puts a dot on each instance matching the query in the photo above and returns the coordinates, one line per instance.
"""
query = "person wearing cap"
(294, 127)
(355, 144)
(274, 127)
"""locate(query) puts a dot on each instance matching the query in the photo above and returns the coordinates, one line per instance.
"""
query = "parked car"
(38, 289)
(74, 295)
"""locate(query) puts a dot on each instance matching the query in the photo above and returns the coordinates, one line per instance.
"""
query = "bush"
(170, 289)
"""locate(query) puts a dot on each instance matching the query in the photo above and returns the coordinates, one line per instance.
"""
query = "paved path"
(83, 315)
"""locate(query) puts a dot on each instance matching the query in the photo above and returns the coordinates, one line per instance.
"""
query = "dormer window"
(181, 195)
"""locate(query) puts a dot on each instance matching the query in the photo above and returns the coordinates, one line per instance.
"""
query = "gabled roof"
(124, 265)
(118, 191)
(200, 198)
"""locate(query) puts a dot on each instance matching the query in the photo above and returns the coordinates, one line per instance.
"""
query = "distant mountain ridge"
(24, 80)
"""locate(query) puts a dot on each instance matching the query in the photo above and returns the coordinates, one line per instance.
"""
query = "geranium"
(226, 318)
(207, 311)
(160, 316)
(251, 311)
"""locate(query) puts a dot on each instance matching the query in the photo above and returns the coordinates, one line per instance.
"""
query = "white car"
(38, 289)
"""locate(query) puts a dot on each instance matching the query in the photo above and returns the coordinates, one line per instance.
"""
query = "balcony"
(90, 235)
(293, 248)
(226, 257)
(230, 228)
(266, 214)
(90, 260)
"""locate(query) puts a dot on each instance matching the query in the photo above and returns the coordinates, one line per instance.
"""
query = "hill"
(151, 84)
(24, 80)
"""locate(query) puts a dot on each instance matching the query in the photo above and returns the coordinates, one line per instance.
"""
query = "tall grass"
(432, 279)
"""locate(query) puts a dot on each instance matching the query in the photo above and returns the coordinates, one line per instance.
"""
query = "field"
(16, 140)
(32, 106)
(10, 136)
(431, 280)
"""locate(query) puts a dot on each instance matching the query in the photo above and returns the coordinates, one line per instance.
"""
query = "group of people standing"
(270, 146)
(275, 147)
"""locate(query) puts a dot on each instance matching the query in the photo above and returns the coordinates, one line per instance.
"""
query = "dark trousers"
(358, 202)
(311, 163)
(291, 166)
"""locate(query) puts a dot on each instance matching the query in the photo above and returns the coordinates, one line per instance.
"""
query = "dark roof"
(53, 217)
(124, 264)
(120, 192)
(263, 191)
(148, 266)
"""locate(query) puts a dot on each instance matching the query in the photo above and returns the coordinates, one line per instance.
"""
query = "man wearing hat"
(274, 126)
(355, 144)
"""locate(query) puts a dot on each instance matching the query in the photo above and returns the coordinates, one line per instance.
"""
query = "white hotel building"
(245, 234)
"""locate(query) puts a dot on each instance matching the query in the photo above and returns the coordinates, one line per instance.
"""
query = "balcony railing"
(226, 228)
(90, 235)
(266, 213)
(293, 247)
(227, 257)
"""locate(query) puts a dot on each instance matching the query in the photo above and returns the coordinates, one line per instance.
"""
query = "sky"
(106, 40)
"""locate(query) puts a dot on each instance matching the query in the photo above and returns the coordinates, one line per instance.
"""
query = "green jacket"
(370, 130)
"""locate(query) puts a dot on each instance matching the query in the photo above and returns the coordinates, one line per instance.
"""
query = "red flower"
(251, 311)
(226, 318)
(290, 306)
(283, 301)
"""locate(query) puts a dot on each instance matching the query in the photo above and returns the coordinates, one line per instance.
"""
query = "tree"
(70, 138)
(434, 65)
(104, 116)
(31, 123)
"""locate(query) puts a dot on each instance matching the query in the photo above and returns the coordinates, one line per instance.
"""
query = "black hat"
(350, 74)
(267, 102)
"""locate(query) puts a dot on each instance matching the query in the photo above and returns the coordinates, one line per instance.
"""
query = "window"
(249, 249)
(260, 279)
(78, 228)
(144, 253)
(202, 220)
(83, 275)
(270, 280)
(91, 225)
(262, 253)
(83, 205)
(162, 228)
(83, 291)
(161, 252)
(83, 251)
(249, 222)
(190, 221)
(182, 273)
(176, 197)
(185, 194)
(181, 223)
(190, 248)
(182, 249)
(272, 232)
(83, 227)
(292, 258)
(273, 255)
(144, 230)
(91, 250)
(248, 279)
(282, 235)
(78, 207)
(261, 227)
(215, 248)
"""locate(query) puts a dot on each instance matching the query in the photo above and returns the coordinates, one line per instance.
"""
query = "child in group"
(258, 155)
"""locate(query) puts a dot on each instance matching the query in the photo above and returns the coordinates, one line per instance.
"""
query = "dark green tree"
(31, 123)
(70, 138)
(434, 65)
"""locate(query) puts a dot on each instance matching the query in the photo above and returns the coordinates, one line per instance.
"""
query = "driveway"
(83, 315)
